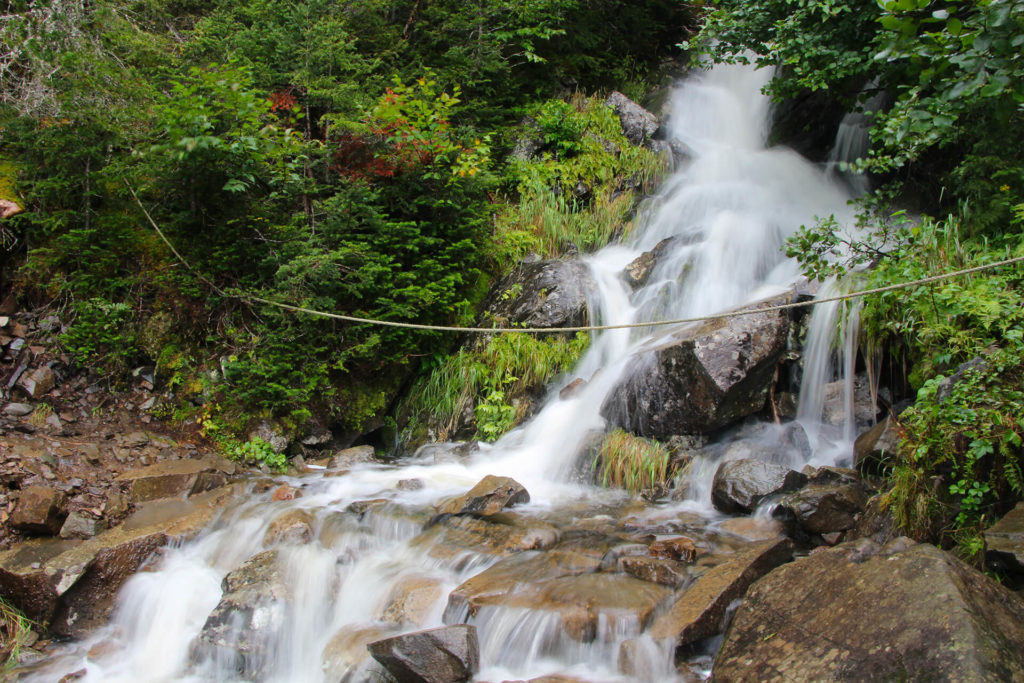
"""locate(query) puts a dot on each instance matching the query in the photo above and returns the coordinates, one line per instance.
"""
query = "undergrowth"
(633, 463)
(15, 630)
(493, 380)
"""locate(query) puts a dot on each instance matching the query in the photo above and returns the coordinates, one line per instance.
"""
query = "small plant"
(258, 452)
(631, 462)
(15, 632)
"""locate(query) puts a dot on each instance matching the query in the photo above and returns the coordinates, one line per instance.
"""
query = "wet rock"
(71, 584)
(449, 654)
(875, 523)
(877, 445)
(506, 575)
(175, 478)
(698, 610)
(880, 613)
(682, 549)
(752, 528)
(357, 455)
(1004, 542)
(739, 485)
(699, 378)
(79, 525)
(638, 124)
(834, 399)
(502, 534)
(291, 526)
(543, 294)
(285, 492)
(663, 572)
(572, 389)
(639, 270)
(40, 382)
(40, 510)
(584, 601)
(446, 451)
(345, 657)
(823, 509)
(409, 484)
(414, 600)
(17, 409)
(489, 496)
(250, 613)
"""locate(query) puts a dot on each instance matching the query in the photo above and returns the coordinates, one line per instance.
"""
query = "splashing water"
(727, 212)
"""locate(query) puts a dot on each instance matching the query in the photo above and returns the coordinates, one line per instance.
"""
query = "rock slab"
(863, 612)
(449, 654)
(739, 485)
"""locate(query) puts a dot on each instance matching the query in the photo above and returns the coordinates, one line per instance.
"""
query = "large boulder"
(638, 124)
(449, 654)
(863, 612)
(543, 294)
(176, 478)
(701, 377)
(876, 445)
(824, 509)
(739, 485)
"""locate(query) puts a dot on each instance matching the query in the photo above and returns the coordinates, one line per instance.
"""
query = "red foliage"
(282, 100)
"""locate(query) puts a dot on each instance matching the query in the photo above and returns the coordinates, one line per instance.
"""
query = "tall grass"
(631, 462)
(15, 630)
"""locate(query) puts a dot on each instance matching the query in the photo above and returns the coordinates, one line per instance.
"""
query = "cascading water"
(727, 212)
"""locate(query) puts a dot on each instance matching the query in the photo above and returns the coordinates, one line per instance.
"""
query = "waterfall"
(728, 211)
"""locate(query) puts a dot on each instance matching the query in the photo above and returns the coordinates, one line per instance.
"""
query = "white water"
(730, 207)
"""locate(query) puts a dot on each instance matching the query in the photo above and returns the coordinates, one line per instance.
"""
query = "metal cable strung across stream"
(581, 328)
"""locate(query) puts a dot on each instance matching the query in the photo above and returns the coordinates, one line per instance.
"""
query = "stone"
(449, 654)
(664, 572)
(639, 270)
(543, 294)
(17, 409)
(740, 485)
(823, 509)
(70, 585)
(79, 525)
(506, 575)
(859, 611)
(357, 455)
(698, 610)
(699, 378)
(291, 526)
(489, 496)
(572, 389)
(501, 534)
(137, 440)
(439, 452)
(39, 382)
(251, 610)
(877, 445)
(585, 602)
(638, 124)
(414, 600)
(751, 528)
(681, 548)
(272, 435)
(285, 492)
(40, 510)
(345, 657)
(1004, 541)
(834, 402)
(175, 478)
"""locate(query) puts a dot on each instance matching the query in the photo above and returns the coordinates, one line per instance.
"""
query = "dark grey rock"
(638, 124)
(449, 654)
(699, 378)
(739, 485)
(543, 294)
(1004, 541)
(823, 509)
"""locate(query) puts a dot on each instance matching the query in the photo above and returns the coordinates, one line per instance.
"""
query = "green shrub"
(631, 462)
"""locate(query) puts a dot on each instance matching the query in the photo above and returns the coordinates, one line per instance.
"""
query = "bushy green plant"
(258, 452)
(15, 629)
(101, 334)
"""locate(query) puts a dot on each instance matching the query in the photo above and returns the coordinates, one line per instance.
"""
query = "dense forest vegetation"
(354, 157)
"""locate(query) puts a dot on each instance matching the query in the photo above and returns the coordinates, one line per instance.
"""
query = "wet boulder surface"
(545, 294)
(861, 611)
(701, 377)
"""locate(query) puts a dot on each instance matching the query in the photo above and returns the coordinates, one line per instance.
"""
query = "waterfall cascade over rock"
(294, 590)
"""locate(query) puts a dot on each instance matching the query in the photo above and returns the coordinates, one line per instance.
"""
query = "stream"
(357, 571)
